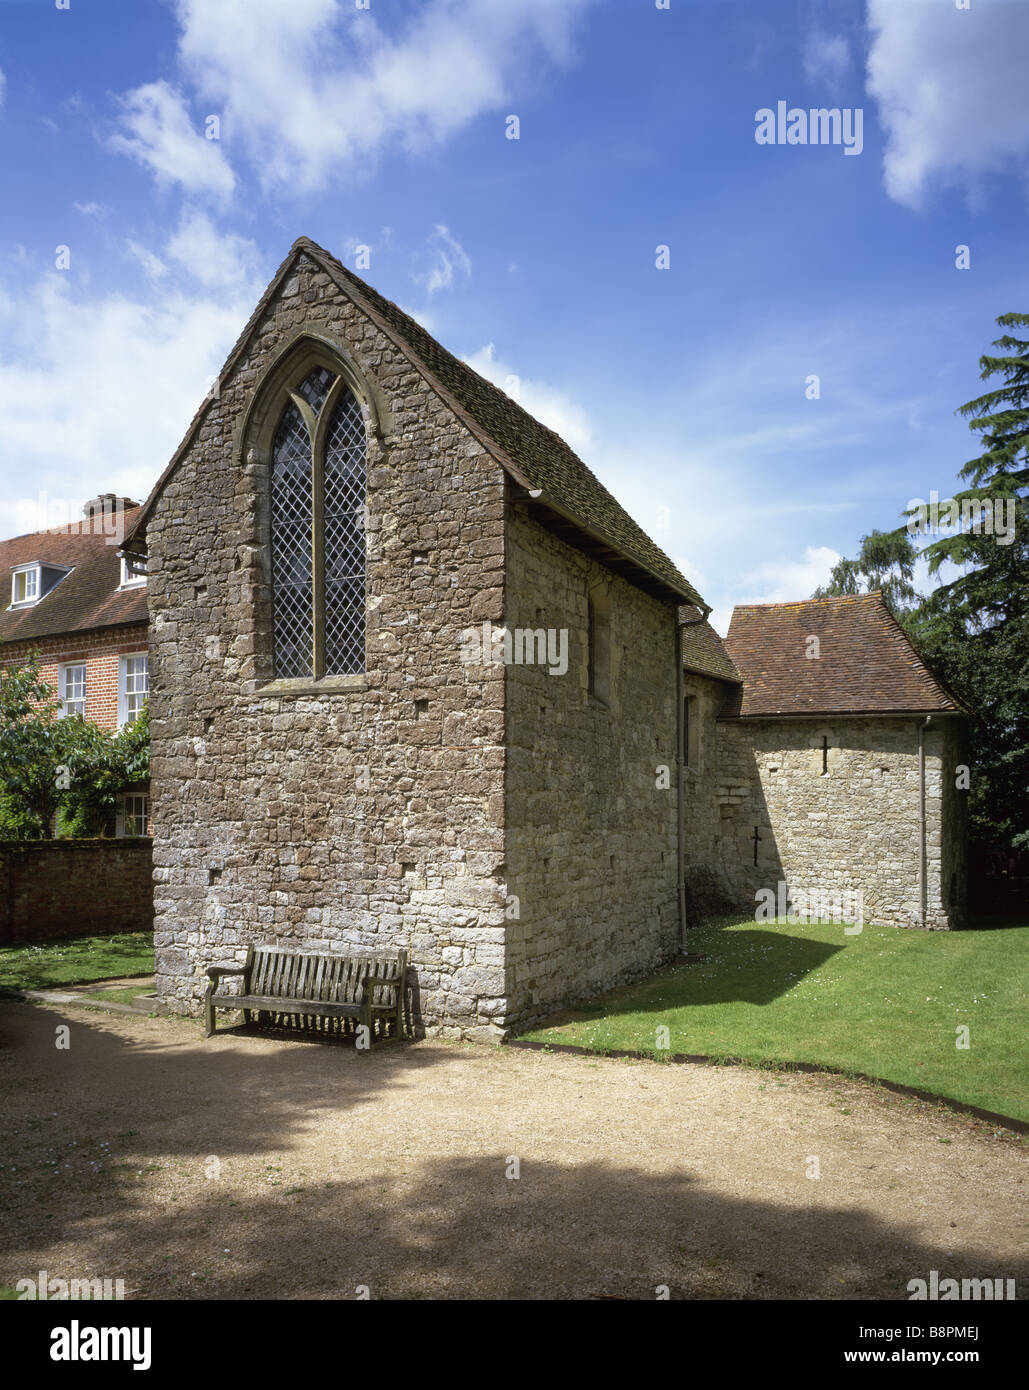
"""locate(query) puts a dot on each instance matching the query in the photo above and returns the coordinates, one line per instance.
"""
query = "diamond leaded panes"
(292, 519)
(315, 387)
(318, 589)
(344, 472)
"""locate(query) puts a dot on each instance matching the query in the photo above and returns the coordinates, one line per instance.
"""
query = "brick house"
(416, 676)
(81, 606)
(836, 764)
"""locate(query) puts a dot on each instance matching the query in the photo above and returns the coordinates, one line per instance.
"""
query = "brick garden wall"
(55, 888)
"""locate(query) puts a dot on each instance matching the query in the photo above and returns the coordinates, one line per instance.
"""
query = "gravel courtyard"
(250, 1166)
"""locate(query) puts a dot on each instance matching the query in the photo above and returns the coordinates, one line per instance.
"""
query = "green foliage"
(885, 562)
(67, 769)
(36, 745)
(101, 766)
(973, 630)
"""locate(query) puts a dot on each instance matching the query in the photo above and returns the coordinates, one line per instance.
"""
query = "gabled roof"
(866, 663)
(562, 490)
(86, 598)
(703, 650)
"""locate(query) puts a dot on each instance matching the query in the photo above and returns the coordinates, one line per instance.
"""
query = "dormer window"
(25, 585)
(30, 583)
(133, 571)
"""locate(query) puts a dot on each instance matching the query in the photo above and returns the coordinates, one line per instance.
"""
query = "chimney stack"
(106, 505)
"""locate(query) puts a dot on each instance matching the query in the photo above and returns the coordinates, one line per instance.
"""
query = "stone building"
(415, 675)
(418, 680)
(840, 765)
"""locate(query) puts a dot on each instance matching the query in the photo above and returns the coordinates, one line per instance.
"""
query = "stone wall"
(58, 888)
(855, 827)
(708, 891)
(591, 818)
(371, 814)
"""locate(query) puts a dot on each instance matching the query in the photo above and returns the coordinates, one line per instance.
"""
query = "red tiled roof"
(703, 651)
(86, 598)
(866, 663)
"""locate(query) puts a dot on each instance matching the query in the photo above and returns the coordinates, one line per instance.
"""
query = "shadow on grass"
(742, 966)
(76, 960)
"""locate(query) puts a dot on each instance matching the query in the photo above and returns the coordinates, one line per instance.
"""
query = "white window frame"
(124, 717)
(28, 600)
(136, 815)
(62, 686)
(129, 578)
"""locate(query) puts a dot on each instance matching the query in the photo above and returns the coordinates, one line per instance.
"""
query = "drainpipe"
(921, 819)
(680, 764)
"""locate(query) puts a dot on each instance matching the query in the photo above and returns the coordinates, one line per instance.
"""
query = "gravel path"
(255, 1167)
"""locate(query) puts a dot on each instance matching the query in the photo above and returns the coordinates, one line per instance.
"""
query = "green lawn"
(76, 961)
(124, 995)
(886, 1002)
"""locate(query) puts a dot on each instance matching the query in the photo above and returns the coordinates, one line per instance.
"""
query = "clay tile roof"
(703, 651)
(867, 663)
(86, 598)
(534, 455)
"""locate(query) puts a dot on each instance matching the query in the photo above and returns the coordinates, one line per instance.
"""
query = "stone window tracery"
(318, 477)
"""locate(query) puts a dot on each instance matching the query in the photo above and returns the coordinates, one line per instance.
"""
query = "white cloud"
(153, 267)
(213, 257)
(950, 85)
(826, 58)
(450, 259)
(104, 393)
(91, 209)
(159, 133)
(315, 86)
(785, 580)
(545, 403)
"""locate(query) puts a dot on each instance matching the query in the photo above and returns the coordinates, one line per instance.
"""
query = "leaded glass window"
(318, 531)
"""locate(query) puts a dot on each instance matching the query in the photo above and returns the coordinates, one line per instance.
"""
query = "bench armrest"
(215, 972)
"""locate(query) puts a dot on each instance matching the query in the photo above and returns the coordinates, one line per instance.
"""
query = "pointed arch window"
(318, 477)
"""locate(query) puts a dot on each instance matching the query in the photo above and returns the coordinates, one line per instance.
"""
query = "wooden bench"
(367, 986)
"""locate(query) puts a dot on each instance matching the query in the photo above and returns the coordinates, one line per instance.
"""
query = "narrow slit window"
(598, 638)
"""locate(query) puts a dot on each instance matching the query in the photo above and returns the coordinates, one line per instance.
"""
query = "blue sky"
(535, 259)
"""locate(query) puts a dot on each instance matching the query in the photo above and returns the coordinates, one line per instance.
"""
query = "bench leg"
(208, 1015)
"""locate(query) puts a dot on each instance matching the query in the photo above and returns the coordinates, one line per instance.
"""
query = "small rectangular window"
(134, 815)
(134, 688)
(133, 571)
(25, 585)
(73, 689)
